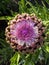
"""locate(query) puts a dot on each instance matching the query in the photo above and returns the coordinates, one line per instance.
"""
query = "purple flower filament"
(26, 31)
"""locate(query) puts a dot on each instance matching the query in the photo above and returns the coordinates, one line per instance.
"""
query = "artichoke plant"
(25, 33)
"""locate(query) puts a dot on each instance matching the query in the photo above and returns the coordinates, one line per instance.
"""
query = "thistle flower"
(25, 32)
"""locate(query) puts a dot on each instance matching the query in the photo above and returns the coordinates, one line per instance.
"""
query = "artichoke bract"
(25, 32)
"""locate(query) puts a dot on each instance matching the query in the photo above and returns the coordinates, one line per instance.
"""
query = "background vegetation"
(8, 9)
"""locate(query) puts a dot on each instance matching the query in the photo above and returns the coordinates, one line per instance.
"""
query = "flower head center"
(24, 32)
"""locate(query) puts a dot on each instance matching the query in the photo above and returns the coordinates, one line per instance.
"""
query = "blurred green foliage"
(7, 55)
(3, 8)
(7, 7)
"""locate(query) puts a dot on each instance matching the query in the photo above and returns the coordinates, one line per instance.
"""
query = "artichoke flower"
(25, 33)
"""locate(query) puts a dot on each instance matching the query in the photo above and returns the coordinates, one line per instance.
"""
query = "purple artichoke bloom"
(25, 33)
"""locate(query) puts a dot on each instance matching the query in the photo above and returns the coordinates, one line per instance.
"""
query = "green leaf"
(15, 59)
(45, 22)
(22, 6)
